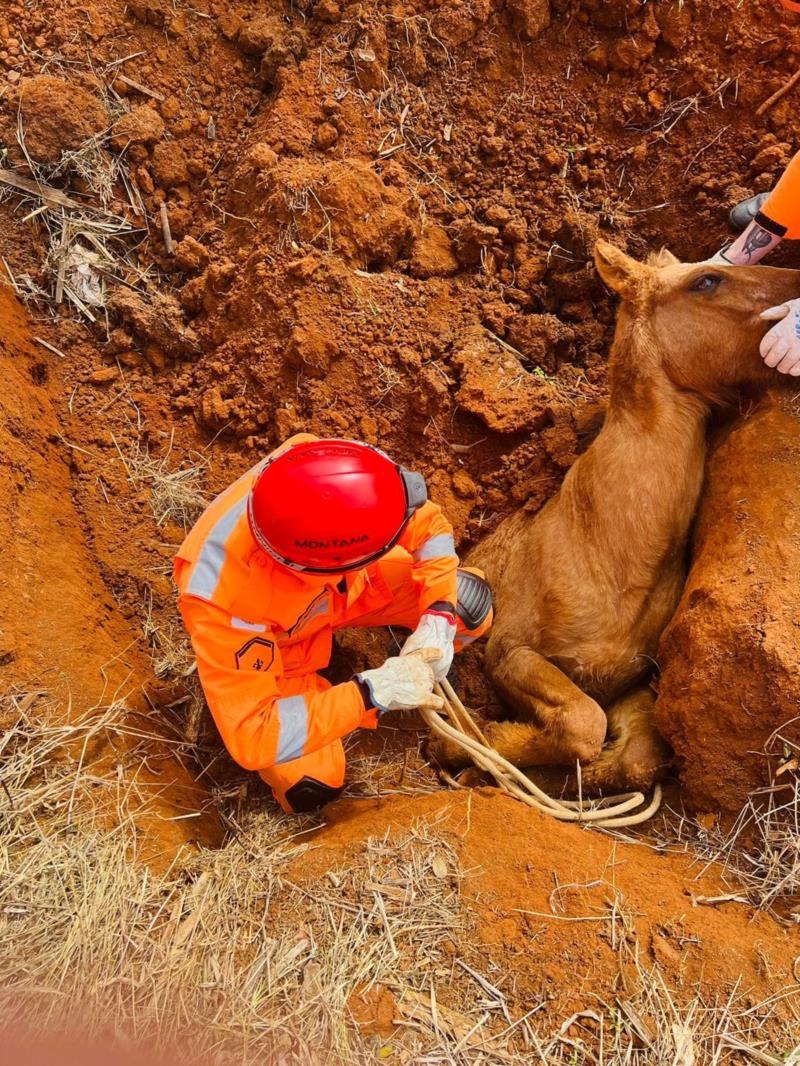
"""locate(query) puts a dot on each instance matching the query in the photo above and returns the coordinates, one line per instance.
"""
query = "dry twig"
(779, 95)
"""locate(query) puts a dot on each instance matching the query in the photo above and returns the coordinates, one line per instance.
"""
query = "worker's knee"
(473, 606)
(310, 782)
(307, 795)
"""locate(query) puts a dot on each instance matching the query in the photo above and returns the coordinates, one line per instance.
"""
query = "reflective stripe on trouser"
(782, 206)
(293, 733)
(325, 766)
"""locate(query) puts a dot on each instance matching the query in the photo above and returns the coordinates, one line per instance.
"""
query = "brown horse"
(584, 588)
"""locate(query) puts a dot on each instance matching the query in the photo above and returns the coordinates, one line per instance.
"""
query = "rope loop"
(610, 812)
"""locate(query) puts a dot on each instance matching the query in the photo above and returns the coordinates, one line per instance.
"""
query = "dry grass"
(675, 111)
(173, 660)
(301, 201)
(223, 937)
(760, 853)
(175, 494)
(387, 773)
(171, 650)
(91, 236)
(650, 1026)
(388, 378)
(242, 955)
(770, 866)
(763, 849)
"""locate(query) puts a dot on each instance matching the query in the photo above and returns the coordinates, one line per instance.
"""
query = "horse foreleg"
(636, 754)
(561, 723)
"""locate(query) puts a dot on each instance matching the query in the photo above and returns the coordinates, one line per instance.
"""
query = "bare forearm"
(751, 246)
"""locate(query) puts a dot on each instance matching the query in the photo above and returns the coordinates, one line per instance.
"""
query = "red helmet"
(331, 505)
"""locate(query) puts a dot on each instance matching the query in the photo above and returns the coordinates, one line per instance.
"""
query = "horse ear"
(618, 270)
(662, 258)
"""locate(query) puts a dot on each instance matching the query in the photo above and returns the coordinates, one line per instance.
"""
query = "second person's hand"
(780, 346)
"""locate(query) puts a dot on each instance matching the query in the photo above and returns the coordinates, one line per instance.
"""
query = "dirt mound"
(530, 17)
(730, 661)
(142, 125)
(55, 115)
(340, 206)
(432, 254)
(537, 893)
(155, 323)
(496, 387)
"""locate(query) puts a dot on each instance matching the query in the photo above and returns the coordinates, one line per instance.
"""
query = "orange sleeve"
(428, 538)
(260, 723)
(781, 211)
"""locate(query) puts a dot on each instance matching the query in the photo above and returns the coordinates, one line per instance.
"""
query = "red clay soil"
(62, 635)
(512, 155)
(383, 218)
(523, 929)
(738, 619)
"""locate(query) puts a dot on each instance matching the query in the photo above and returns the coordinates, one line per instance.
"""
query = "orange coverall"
(781, 211)
(261, 632)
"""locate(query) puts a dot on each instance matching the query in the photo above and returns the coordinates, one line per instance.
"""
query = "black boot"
(743, 214)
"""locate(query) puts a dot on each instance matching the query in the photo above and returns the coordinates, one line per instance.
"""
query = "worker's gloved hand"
(718, 259)
(403, 683)
(434, 630)
(780, 346)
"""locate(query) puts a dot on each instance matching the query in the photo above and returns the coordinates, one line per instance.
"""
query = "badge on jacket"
(255, 654)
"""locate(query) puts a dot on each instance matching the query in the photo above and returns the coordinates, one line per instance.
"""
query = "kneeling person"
(321, 535)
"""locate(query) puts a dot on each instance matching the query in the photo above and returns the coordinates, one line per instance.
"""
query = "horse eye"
(705, 283)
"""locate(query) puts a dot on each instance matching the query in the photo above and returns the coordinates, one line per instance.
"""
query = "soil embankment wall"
(730, 657)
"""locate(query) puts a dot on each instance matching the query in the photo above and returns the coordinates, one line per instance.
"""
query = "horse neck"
(635, 490)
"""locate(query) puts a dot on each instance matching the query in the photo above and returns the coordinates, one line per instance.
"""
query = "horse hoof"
(583, 727)
(642, 761)
(446, 753)
(639, 763)
(472, 777)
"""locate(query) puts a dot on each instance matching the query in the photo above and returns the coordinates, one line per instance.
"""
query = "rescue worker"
(774, 218)
(763, 222)
(322, 534)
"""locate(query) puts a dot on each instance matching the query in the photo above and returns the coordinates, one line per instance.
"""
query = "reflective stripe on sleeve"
(437, 547)
(208, 568)
(293, 716)
(250, 627)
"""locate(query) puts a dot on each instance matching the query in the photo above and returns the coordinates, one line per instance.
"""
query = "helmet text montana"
(326, 507)
(333, 542)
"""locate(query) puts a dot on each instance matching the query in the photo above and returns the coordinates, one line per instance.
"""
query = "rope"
(610, 812)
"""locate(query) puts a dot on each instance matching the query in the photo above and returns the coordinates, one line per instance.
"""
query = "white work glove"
(434, 631)
(403, 683)
(718, 259)
(780, 346)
